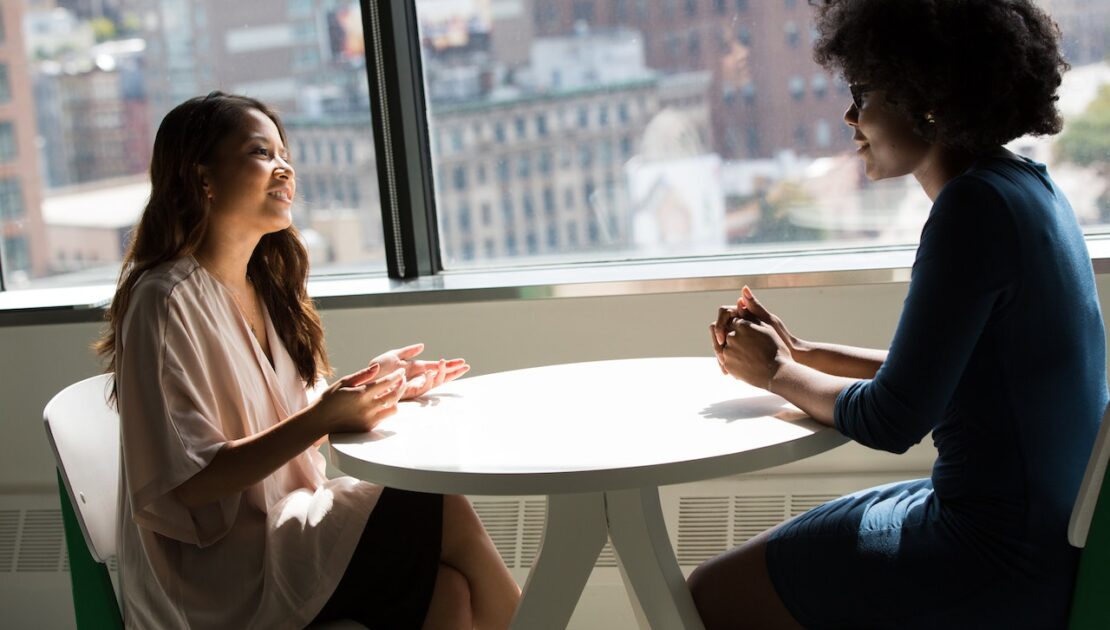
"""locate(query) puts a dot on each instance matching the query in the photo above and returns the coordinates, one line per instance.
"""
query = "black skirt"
(389, 580)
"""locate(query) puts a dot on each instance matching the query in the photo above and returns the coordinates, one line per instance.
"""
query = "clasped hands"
(750, 342)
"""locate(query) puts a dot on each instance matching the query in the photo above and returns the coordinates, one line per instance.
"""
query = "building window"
(5, 85)
(792, 37)
(7, 142)
(584, 11)
(11, 199)
(16, 255)
(744, 35)
(464, 218)
(797, 87)
(820, 85)
(460, 178)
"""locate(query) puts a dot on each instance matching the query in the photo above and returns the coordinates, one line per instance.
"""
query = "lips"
(281, 194)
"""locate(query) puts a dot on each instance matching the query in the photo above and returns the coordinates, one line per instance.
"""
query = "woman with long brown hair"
(226, 517)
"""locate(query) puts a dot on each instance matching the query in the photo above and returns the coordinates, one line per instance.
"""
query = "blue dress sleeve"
(964, 274)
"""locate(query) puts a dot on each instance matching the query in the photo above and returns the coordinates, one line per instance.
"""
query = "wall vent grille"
(33, 540)
(702, 528)
(41, 539)
(800, 503)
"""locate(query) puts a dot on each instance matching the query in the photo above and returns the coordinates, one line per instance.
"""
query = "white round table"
(599, 439)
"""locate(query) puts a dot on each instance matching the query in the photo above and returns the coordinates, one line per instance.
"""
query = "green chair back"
(94, 600)
(1090, 530)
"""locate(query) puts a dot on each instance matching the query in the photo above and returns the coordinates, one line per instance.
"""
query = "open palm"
(422, 376)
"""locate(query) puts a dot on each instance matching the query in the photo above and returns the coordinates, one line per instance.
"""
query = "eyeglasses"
(858, 90)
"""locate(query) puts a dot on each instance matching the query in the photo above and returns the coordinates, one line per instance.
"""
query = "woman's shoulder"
(160, 286)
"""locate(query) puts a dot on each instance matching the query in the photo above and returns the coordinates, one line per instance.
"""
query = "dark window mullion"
(400, 123)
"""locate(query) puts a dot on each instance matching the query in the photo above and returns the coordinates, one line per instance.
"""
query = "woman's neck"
(227, 261)
(943, 164)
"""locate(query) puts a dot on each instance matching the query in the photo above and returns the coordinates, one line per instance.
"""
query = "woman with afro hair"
(999, 351)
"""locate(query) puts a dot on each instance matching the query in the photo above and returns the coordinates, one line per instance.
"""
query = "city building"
(21, 228)
(767, 94)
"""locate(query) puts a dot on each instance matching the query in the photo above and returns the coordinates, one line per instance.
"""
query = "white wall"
(493, 336)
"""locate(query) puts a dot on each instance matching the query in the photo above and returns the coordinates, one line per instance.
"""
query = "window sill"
(724, 273)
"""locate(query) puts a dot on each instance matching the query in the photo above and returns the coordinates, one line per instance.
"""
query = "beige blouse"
(191, 377)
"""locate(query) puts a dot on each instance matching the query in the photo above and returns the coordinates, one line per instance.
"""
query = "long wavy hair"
(176, 219)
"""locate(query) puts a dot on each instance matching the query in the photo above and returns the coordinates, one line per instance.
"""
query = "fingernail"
(373, 366)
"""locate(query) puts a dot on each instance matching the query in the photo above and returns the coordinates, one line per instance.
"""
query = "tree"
(1086, 142)
(103, 29)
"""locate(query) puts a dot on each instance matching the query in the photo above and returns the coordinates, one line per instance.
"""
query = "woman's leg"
(468, 549)
(450, 605)
(734, 590)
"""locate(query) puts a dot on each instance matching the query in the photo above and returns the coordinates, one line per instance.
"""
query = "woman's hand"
(751, 351)
(749, 307)
(358, 402)
(422, 376)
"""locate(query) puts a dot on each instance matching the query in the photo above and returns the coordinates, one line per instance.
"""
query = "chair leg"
(94, 599)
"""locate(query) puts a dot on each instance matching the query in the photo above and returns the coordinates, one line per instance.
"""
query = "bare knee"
(450, 606)
(734, 590)
(455, 586)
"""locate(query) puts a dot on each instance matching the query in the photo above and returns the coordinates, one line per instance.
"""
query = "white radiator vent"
(753, 514)
(531, 530)
(800, 503)
(711, 525)
(41, 542)
(702, 528)
(33, 540)
(608, 557)
(9, 530)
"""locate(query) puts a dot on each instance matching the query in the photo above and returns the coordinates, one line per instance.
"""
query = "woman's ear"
(205, 181)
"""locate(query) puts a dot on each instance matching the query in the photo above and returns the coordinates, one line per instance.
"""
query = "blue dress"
(1000, 352)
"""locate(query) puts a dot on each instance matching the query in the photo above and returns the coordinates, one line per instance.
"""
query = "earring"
(929, 118)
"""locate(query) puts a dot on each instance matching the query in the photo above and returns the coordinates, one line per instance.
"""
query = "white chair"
(1089, 529)
(83, 431)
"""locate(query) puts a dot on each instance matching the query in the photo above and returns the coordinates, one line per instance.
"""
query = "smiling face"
(884, 137)
(250, 182)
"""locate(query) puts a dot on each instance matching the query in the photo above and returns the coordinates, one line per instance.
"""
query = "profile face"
(884, 136)
(251, 182)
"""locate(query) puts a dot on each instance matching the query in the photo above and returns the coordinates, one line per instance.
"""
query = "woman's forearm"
(811, 390)
(839, 360)
(244, 462)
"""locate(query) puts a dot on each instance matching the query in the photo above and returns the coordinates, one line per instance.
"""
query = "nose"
(851, 116)
(284, 169)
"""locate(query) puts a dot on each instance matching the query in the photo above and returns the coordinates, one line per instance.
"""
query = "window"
(17, 257)
(11, 199)
(792, 37)
(7, 142)
(551, 110)
(97, 127)
(797, 87)
(584, 10)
